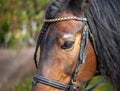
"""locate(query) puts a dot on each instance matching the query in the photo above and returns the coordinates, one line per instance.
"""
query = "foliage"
(26, 83)
(15, 14)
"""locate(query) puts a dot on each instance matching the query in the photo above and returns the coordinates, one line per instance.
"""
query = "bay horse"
(78, 39)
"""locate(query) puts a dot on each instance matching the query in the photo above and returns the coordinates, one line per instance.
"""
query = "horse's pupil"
(67, 45)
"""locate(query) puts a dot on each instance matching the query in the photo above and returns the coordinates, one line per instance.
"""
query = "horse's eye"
(67, 44)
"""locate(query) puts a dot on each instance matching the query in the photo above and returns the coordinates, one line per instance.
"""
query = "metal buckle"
(72, 86)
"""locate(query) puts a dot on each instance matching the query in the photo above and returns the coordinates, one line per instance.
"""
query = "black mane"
(104, 21)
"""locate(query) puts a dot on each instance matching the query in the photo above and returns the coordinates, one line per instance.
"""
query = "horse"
(78, 40)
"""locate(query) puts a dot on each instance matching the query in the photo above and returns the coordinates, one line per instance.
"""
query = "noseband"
(83, 46)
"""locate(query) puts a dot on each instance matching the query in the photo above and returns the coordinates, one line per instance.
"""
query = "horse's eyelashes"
(67, 44)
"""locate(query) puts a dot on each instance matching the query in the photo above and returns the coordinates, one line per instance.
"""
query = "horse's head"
(64, 47)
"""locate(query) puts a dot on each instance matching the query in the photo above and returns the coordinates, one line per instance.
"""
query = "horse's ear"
(85, 4)
(78, 5)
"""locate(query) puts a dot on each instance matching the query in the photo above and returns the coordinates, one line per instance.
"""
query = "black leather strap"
(41, 79)
(94, 86)
(83, 48)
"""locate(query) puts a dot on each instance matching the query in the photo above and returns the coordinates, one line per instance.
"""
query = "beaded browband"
(66, 18)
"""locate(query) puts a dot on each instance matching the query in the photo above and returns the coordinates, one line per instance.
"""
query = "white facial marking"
(67, 36)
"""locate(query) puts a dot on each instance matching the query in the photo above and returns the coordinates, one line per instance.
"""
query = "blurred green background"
(20, 21)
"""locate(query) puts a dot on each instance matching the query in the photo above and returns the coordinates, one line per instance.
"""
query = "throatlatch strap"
(94, 86)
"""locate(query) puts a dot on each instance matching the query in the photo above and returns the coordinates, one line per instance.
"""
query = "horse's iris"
(67, 44)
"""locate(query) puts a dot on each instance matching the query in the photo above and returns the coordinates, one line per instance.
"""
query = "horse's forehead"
(68, 25)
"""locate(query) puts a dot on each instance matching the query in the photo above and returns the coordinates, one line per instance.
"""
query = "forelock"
(55, 7)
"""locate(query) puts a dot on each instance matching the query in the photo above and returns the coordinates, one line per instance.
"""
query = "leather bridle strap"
(96, 84)
(43, 80)
(81, 60)
(83, 48)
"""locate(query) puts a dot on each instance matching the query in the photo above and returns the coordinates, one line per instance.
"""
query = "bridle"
(83, 46)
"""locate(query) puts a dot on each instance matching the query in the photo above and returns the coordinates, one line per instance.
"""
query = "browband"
(66, 18)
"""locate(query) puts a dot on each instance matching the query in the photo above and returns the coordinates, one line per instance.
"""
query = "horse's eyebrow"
(68, 35)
